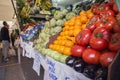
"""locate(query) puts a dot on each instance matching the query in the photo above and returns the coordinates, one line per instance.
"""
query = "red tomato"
(116, 27)
(99, 23)
(106, 34)
(107, 13)
(106, 58)
(111, 1)
(95, 18)
(98, 43)
(91, 25)
(91, 56)
(102, 8)
(114, 44)
(83, 37)
(94, 8)
(77, 50)
(100, 38)
(109, 22)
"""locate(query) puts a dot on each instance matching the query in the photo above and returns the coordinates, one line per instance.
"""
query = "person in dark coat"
(5, 40)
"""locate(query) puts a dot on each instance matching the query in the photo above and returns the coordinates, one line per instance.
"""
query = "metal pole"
(18, 50)
(15, 13)
(14, 8)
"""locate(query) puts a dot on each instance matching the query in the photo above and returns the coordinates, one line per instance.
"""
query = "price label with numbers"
(36, 63)
(59, 71)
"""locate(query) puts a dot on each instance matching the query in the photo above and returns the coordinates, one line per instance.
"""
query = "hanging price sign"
(36, 63)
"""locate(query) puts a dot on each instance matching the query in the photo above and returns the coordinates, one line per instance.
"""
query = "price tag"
(36, 63)
(118, 4)
(70, 74)
(28, 51)
(59, 71)
(42, 58)
(52, 72)
(33, 52)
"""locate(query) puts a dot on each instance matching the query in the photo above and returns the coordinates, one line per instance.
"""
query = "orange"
(69, 43)
(59, 37)
(71, 32)
(71, 27)
(67, 28)
(78, 22)
(61, 50)
(66, 33)
(89, 13)
(63, 38)
(77, 26)
(71, 39)
(82, 13)
(71, 23)
(73, 19)
(55, 42)
(51, 46)
(76, 31)
(83, 26)
(77, 17)
(62, 33)
(63, 29)
(57, 47)
(66, 23)
(83, 19)
(67, 51)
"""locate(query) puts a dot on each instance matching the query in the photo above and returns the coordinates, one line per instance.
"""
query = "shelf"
(39, 16)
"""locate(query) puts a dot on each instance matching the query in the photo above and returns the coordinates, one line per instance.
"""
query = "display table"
(53, 70)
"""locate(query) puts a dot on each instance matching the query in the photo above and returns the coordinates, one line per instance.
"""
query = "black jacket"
(5, 34)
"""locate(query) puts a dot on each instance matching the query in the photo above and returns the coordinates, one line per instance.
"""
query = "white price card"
(69, 73)
(59, 71)
(28, 51)
(52, 72)
(36, 63)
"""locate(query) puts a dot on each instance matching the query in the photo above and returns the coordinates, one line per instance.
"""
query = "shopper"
(13, 38)
(5, 40)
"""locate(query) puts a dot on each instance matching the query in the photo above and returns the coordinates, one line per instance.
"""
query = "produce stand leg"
(19, 57)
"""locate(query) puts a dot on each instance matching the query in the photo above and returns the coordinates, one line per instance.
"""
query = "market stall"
(72, 41)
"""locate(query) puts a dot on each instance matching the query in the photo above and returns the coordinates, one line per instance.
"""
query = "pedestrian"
(13, 38)
(5, 41)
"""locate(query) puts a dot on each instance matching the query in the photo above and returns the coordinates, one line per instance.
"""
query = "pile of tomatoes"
(100, 40)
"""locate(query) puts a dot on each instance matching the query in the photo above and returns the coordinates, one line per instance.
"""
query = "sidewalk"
(11, 70)
(14, 71)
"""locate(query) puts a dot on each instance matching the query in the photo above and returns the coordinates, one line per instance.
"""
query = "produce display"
(30, 31)
(98, 43)
(71, 28)
(43, 4)
(87, 41)
(52, 27)
(91, 48)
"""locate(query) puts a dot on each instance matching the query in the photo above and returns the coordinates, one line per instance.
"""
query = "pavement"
(12, 70)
